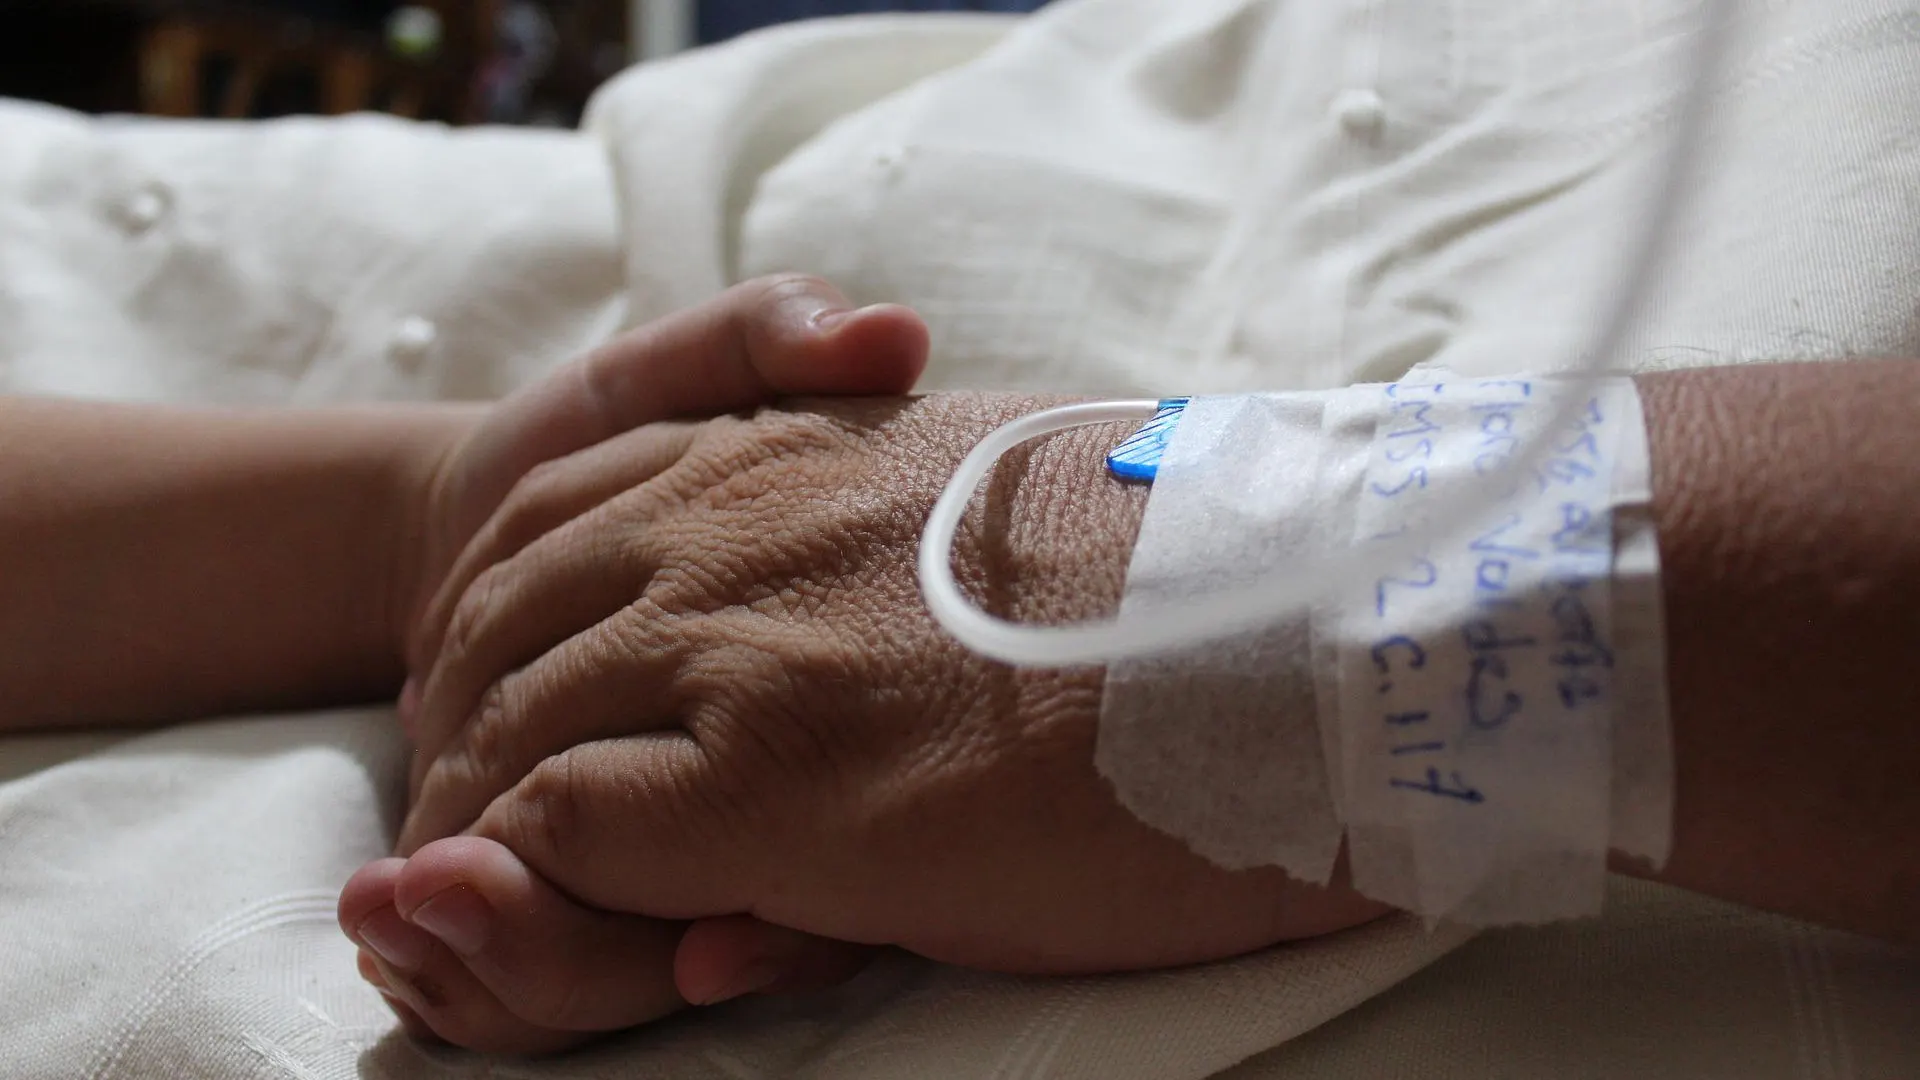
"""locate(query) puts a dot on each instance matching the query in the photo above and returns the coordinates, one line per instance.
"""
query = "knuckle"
(764, 745)
(472, 615)
(552, 813)
(490, 742)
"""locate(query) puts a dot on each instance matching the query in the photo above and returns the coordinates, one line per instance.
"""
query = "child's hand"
(512, 965)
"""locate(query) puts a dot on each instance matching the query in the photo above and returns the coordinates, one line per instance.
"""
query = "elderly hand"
(779, 335)
(719, 693)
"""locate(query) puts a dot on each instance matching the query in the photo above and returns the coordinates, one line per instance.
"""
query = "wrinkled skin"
(777, 335)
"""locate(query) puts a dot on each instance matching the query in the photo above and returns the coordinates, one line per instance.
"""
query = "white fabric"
(1118, 195)
(178, 261)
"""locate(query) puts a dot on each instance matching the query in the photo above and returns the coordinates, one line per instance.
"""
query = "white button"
(1360, 111)
(890, 160)
(412, 339)
(143, 209)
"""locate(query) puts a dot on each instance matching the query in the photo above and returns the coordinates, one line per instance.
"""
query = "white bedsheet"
(1121, 195)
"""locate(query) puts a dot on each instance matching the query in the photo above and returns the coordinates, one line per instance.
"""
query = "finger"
(549, 960)
(643, 824)
(614, 678)
(367, 891)
(735, 955)
(445, 998)
(548, 497)
(552, 495)
(428, 986)
(370, 889)
(518, 610)
(785, 335)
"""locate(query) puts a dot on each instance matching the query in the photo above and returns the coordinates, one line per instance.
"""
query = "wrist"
(1785, 499)
(422, 482)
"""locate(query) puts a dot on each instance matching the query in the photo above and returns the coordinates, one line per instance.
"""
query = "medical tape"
(1187, 738)
(1484, 722)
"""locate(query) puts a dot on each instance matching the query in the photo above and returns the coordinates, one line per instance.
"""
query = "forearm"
(1788, 505)
(160, 563)
(1787, 500)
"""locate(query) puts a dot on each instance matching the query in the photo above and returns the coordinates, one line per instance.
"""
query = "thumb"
(772, 337)
(782, 336)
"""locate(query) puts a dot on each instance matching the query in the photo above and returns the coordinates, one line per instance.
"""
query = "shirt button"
(412, 340)
(1360, 112)
(144, 209)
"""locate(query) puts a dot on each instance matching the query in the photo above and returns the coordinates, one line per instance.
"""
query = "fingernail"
(399, 944)
(812, 303)
(751, 979)
(458, 917)
(829, 318)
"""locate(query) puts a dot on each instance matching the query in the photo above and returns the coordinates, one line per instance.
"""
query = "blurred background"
(457, 61)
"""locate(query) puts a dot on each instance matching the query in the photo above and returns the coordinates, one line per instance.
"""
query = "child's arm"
(160, 563)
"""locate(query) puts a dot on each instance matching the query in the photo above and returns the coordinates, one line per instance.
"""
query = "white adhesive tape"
(1484, 724)
(1187, 738)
